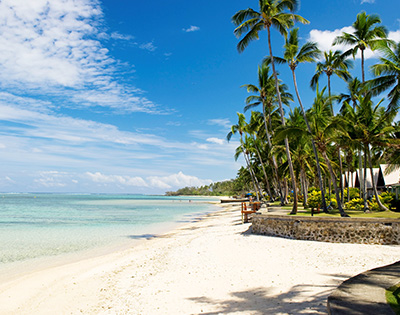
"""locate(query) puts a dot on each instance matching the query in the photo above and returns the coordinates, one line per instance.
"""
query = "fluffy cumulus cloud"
(50, 46)
(192, 28)
(325, 38)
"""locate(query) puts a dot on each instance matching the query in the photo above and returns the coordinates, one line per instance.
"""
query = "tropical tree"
(254, 128)
(250, 22)
(264, 95)
(240, 128)
(293, 56)
(334, 63)
(366, 35)
(373, 129)
(354, 90)
(388, 76)
(325, 129)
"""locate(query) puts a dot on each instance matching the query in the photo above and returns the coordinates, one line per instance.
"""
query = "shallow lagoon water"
(40, 226)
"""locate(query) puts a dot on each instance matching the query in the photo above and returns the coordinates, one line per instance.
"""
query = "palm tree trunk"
(333, 178)
(381, 206)
(265, 173)
(321, 186)
(253, 179)
(275, 165)
(365, 191)
(289, 158)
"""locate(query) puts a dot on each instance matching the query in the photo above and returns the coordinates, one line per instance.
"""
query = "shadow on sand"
(264, 301)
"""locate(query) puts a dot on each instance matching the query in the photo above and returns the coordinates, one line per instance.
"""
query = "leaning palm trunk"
(253, 177)
(274, 164)
(265, 174)
(289, 158)
(381, 206)
(333, 178)
(321, 186)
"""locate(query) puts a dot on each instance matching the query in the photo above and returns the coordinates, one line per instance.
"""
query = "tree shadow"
(264, 301)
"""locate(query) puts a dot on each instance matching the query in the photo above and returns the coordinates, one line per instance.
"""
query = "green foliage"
(393, 298)
(314, 199)
(387, 197)
(355, 204)
(354, 193)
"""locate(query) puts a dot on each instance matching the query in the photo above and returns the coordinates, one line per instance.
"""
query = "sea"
(36, 229)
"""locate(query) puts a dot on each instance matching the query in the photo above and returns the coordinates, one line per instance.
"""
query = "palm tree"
(252, 22)
(366, 35)
(265, 95)
(325, 129)
(373, 128)
(333, 63)
(389, 76)
(354, 89)
(254, 129)
(240, 128)
(293, 56)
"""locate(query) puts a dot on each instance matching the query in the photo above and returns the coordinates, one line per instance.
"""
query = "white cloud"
(118, 36)
(223, 122)
(367, 1)
(394, 35)
(216, 141)
(148, 46)
(153, 182)
(47, 47)
(324, 39)
(192, 28)
(178, 180)
(116, 179)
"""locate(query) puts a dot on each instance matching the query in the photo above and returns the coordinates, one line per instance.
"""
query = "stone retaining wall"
(334, 230)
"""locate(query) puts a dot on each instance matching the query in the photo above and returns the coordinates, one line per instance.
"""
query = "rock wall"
(334, 230)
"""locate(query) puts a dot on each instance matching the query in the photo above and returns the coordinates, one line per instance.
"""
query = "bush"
(355, 204)
(354, 193)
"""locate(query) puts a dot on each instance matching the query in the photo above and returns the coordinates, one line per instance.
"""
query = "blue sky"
(135, 96)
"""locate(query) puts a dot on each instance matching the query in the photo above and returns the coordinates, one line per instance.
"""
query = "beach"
(210, 265)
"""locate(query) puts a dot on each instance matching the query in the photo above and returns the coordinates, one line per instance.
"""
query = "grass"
(393, 298)
(335, 213)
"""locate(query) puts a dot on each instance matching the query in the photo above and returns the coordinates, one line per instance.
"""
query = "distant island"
(223, 188)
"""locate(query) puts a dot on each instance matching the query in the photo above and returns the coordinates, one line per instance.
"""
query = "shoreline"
(212, 264)
(14, 270)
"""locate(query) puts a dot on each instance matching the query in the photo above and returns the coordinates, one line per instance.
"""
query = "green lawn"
(335, 213)
(393, 298)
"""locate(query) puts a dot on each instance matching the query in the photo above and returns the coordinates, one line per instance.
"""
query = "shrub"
(354, 193)
(355, 204)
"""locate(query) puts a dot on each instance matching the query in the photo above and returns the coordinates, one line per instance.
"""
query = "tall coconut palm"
(372, 129)
(250, 22)
(334, 63)
(388, 76)
(266, 97)
(366, 35)
(293, 56)
(254, 130)
(240, 128)
(325, 130)
(354, 89)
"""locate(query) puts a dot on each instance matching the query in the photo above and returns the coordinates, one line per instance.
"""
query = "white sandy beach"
(211, 266)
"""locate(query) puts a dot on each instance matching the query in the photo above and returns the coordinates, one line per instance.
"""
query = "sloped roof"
(392, 178)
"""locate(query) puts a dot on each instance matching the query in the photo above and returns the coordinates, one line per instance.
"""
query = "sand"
(213, 265)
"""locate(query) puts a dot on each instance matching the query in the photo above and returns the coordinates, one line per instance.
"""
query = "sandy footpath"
(209, 266)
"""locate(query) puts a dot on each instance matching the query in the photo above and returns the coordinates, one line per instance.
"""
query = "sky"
(129, 96)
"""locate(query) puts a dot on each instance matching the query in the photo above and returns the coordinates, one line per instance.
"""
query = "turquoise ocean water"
(36, 227)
